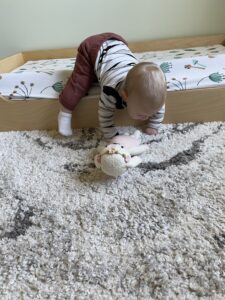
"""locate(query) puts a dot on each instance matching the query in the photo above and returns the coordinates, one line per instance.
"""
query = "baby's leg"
(78, 84)
(76, 88)
(64, 121)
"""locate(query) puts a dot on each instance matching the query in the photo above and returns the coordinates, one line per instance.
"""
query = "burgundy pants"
(83, 74)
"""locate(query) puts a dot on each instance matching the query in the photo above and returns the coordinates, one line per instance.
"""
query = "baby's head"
(144, 90)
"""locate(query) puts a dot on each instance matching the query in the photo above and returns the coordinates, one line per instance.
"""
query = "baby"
(124, 82)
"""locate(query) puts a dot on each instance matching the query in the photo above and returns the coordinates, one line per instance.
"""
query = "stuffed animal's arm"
(137, 150)
(134, 162)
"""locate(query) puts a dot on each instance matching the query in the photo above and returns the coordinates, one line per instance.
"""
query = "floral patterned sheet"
(189, 68)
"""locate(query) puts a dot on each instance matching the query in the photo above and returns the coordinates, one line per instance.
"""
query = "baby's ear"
(124, 95)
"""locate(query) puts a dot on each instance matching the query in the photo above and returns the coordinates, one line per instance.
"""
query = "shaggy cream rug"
(67, 231)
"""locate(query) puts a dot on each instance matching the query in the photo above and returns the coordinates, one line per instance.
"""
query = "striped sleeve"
(156, 120)
(106, 110)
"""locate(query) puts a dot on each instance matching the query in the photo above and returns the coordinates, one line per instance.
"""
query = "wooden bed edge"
(50, 54)
(197, 105)
(9, 63)
(186, 42)
(138, 46)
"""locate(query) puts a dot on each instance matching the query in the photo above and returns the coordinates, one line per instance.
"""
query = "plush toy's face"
(116, 149)
(112, 160)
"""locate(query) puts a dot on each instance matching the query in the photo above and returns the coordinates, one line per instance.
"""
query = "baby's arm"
(106, 112)
(155, 121)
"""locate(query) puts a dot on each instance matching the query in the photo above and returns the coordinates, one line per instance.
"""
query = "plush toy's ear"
(97, 160)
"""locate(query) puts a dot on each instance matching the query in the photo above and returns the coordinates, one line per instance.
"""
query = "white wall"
(46, 24)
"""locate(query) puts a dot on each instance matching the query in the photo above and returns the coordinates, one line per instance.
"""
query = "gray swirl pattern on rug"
(67, 231)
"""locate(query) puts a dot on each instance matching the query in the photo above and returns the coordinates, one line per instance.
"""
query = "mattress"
(189, 68)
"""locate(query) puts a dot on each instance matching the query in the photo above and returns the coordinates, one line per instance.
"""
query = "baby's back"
(113, 62)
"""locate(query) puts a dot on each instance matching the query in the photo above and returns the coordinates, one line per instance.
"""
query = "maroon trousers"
(83, 74)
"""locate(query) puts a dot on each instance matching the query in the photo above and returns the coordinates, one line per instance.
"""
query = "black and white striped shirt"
(113, 62)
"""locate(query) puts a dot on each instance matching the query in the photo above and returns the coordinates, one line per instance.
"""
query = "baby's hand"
(151, 131)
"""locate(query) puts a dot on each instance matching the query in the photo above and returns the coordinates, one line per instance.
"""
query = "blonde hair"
(148, 82)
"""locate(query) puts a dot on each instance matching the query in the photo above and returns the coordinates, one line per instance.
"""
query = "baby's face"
(139, 110)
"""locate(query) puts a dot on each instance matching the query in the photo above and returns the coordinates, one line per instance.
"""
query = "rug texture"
(67, 231)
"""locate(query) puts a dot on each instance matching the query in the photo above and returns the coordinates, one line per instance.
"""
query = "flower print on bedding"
(188, 68)
(48, 66)
(33, 85)
(196, 72)
(22, 90)
(156, 56)
(37, 79)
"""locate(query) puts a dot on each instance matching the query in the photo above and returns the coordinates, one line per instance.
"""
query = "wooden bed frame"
(198, 105)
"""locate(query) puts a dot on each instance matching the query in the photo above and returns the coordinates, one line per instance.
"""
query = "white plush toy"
(121, 154)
